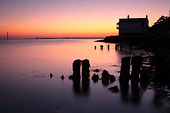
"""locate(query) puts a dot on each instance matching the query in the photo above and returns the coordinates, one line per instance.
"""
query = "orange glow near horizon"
(76, 28)
(73, 18)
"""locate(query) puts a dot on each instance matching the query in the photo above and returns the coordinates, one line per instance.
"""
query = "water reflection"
(82, 89)
(76, 77)
(124, 90)
(105, 82)
(56, 57)
(101, 47)
(85, 85)
(134, 96)
(135, 91)
(76, 86)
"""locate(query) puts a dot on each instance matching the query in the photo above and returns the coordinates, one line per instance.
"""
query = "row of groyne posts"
(85, 75)
(136, 74)
(117, 47)
(85, 69)
(86, 72)
(125, 75)
(106, 77)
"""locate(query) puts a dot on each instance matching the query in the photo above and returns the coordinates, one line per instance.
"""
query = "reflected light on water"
(27, 87)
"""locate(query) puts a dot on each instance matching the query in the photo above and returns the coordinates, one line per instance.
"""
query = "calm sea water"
(26, 87)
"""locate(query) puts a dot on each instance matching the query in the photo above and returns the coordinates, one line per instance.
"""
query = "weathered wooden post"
(116, 47)
(95, 47)
(108, 47)
(85, 68)
(76, 68)
(136, 67)
(125, 69)
(101, 47)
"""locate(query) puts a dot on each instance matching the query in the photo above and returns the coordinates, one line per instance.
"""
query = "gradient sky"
(73, 18)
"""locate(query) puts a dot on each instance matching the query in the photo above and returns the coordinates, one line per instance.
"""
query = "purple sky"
(57, 18)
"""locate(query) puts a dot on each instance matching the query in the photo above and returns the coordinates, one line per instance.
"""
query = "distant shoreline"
(54, 38)
(74, 38)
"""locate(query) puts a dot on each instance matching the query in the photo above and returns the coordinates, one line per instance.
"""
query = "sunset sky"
(73, 18)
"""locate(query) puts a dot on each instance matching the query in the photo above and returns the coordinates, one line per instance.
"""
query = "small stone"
(95, 77)
(62, 77)
(51, 75)
(96, 70)
(70, 77)
(112, 78)
(114, 89)
(105, 74)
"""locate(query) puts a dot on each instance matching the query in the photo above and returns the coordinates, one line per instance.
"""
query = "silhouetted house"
(129, 25)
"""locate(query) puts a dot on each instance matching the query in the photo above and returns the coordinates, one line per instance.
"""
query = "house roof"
(133, 20)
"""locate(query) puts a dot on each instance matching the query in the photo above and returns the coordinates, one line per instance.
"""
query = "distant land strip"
(55, 38)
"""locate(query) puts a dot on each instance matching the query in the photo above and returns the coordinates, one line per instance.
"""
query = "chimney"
(146, 16)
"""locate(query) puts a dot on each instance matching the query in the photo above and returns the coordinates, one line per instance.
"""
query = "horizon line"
(58, 38)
